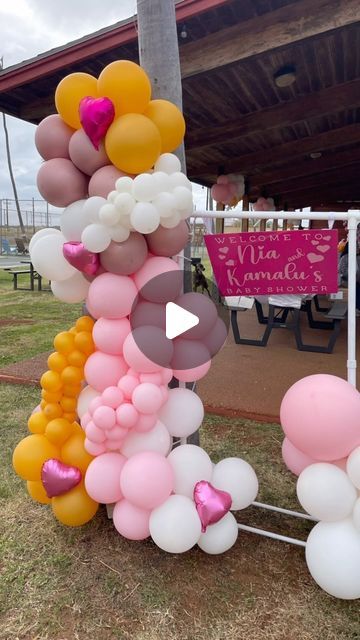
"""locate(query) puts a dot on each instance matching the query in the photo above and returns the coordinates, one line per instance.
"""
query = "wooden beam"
(303, 168)
(333, 177)
(317, 104)
(311, 197)
(280, 153)
(285, 26)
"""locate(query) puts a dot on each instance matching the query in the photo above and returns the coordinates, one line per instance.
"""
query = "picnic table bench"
(289, 318)
(34, 276)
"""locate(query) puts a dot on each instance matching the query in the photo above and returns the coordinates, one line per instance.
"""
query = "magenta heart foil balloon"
(58, 478)
(81, 258)
(96, 116)
(211, 504)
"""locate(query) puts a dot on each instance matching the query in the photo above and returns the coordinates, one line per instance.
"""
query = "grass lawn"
(89, 583)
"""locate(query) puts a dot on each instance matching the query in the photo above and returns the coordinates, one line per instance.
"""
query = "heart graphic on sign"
(323, 248)
(327, 238)
(230, 263)
(314, 242)
(224, 250)
(312, 257)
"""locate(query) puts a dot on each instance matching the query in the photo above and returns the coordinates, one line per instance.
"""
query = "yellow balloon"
(56, 362)
(73, 452)
(127, 85)
(133, 143)
(53, 410)
(64, 342)
(30, 455)
(51, 381)
(69, 92)
(71, 390)
(170, 122)
(37, 422)
(68, 404)
(49, 396)
(37, 492)
(71, 376)
(58, 431)
(74, 508)
(77, 358)
(84, 342)
(85, 323)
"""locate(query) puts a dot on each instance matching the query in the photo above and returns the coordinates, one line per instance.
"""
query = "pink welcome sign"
(274, 262)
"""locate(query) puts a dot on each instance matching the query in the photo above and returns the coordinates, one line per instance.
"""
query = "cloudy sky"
(30, 27)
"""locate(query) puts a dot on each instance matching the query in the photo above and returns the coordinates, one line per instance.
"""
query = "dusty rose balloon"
(52, 138)
(103, 181)
(124, 258)
(61, 183)
(168, 242)
(216, 337)
(84, 155)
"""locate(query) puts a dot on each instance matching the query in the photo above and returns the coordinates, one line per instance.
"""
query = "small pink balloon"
(104, 370)
(154, 378)
(109, 335)
(202, 307)
(102, 478)
(52, 137)
(191, 375)
(147, 398)
(147, 480)
(145, 423)
(111, 296)
(147, 349)
(94, 404)
(114, 445)
(148, 313)
(94, 448)
(104, 418)
(112, 397)
(167, 375)
(168, 242)
(127, 384)
(93, 433)
(96, 116)
(86, 418)
(84, 156)
(219, 192)
(320, 415)
(60, 183)
(130, 521)
(222, 180)
(295, 460)
(116, 433)
(125, 258)
(103, 181)
(189, 354)
(126, 415)
(159, 290)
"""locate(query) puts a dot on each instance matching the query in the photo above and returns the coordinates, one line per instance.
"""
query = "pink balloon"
(154, 378)
(102, 479)
(191, 375)
(111, 296)
(130, 521)
(320, 414)
(222, 180)
(61, 183)
(168, 242)
(103, 181)
(104, 370)
(147, 398)
(104, 417)
(147, 480)
(84, 155)
(52, 137)
(147, 349)
(109, 335)
(145, 423)
(148, 313)
(112, 397)
(295, 460)
(94, 448)
(202, 307)
(189, 354)
(219, 192)
(126, 415)
(127, 384)
(94, 434)
(216, 337)
(124, 258)
(163, 289)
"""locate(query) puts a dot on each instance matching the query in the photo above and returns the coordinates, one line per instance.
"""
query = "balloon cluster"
(264, 204)
(320, 415)
(105, 128)
(228, 189)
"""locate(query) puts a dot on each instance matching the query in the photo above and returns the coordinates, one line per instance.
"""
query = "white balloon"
(157, 439)
(170, 223)
(119, 233)
(124, 184)
(124, 202)
(167, 162)
(40, 234)
(175, 526)
(221, 536)
(74, 289)
(73, 220)
(145, 217)
(353, 467)
(47, 258)
(333, 558)
(179, 179)
(237, 477)
(183, 198)
(165, 204)
(84, 399)
(190, 465)
(162, 180)
(144, 188)
(109, 215)
(92, 207)
(96, 237)
(111, 197)
(356, 514)
(326, 492)
(183, 412)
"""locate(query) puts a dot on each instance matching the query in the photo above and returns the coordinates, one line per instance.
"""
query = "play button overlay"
(178, 320)
(176, 330)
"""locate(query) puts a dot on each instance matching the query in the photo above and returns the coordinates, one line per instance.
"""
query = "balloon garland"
(108, 162)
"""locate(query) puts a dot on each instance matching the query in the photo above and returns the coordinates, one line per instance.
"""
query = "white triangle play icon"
(178, 320)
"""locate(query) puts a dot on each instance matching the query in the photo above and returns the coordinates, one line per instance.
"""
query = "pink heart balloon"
(58, 478)
(96, 116)
(211, 504)
(81, 258)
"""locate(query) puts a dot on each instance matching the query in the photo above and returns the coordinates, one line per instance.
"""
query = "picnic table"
(17, 270)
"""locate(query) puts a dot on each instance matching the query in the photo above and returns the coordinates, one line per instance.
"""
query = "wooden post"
(245, 221)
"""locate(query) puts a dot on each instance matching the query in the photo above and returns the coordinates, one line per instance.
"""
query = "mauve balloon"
(61, 183)
(125, 258)
(168, 242)
(103, 181)
(84, 155)
(52, 138)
